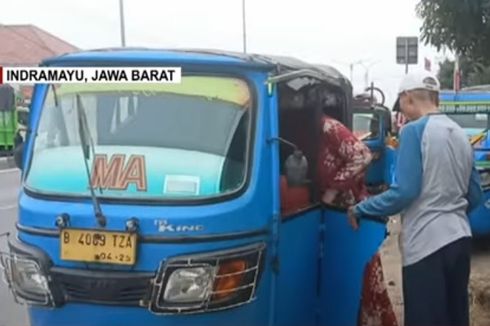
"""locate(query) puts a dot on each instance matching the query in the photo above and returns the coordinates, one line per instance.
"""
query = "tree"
(446, 73)
(471, 74)
(462, 26)
(480, 77)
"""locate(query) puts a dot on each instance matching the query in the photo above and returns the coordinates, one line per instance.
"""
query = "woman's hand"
(329, 196)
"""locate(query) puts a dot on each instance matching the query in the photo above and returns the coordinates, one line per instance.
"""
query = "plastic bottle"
(296, 168)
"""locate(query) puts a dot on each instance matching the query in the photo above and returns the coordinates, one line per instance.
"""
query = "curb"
(7, 163)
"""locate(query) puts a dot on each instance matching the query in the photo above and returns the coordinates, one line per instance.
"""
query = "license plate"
(98, 246)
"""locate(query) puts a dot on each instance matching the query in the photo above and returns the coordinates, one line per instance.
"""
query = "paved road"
(11, 314)
(479, 286)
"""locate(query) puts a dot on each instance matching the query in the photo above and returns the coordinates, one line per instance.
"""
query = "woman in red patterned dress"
(342, 166)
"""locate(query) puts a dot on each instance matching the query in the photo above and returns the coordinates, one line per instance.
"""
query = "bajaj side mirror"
(19, 155)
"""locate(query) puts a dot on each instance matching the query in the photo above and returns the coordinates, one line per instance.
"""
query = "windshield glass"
(365, 125)
(156, 141)
(471, 122)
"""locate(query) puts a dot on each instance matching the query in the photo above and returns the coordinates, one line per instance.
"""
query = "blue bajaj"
(470, 108)
(172, 204)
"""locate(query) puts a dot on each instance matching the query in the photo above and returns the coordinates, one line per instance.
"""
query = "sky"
(328, 32)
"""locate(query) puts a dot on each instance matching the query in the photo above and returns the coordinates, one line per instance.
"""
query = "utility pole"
(121, 19)
(244, 27)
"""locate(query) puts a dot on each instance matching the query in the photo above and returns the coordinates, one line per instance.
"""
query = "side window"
(301, 110)
(296, 128)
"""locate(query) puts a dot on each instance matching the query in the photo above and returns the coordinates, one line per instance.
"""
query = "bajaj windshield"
(149, 141)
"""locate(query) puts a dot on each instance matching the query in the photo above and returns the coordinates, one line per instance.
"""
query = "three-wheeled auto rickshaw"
(470, 108)
(372, 123)
(172, 204)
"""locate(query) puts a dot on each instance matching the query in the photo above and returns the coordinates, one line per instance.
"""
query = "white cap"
(419, 80)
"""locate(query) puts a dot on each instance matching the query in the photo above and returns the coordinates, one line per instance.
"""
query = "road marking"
(7, 207)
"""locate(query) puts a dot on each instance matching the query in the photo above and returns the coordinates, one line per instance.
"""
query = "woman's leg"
(376, 308)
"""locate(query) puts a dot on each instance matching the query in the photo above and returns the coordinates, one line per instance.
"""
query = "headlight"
(207, 282)
(26, 279)
(188, 285)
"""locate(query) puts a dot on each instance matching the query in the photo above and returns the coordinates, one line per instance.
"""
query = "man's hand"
(352, 218)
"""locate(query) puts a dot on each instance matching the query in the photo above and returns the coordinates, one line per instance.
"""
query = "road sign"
(407, 51)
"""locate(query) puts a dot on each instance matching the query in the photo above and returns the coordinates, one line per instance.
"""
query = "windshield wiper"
(87, 144)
